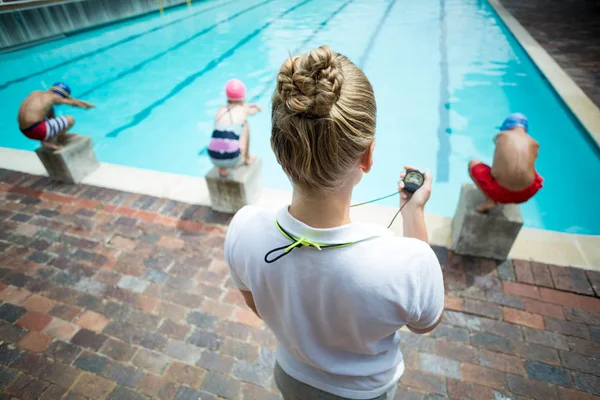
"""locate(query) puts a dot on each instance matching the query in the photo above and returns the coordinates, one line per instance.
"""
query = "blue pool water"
(445, 72)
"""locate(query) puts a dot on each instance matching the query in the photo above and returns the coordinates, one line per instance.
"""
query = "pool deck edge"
(537, 245)
(574, 97)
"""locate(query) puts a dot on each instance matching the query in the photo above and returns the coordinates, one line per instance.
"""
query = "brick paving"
(569, 31)
(115, 295)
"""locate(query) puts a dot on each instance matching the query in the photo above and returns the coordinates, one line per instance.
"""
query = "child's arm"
(535, 149)
(75, 103)
(253, 108)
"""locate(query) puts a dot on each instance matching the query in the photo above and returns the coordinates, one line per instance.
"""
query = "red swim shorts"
(46, 129)
(482, 175)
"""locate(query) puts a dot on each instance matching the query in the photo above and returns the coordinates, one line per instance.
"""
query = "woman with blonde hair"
(333, 291)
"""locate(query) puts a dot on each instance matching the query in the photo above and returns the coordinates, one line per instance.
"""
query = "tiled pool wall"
(22, 26)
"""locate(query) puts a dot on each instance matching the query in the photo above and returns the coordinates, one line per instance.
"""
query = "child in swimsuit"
(230, 139)
(512, 177)
(37, 120)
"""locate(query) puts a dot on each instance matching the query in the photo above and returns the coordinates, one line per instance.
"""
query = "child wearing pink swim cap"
(230, 139)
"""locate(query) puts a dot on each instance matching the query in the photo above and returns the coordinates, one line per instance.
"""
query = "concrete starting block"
(240, 188)
(72, 163)
(484, 235)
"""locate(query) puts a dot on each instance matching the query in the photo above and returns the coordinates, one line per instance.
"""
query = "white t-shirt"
(336, 311)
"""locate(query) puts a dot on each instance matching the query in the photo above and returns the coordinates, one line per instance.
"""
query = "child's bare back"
(514, 159)
(35, 108)
(512, 177)
(233, 113)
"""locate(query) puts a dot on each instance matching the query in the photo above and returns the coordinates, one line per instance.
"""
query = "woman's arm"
(413, 207)
(250, 301)
(429, 295)
(413, 222)
(426, 330)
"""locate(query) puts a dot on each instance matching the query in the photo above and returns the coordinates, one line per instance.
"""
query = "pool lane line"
(315, 32)
(144, 113)
(371, 43)
(112, 45)
(137, 67)
(310, 37)
(443, 132)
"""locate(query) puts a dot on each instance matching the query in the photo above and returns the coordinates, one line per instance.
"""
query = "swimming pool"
(445, 72)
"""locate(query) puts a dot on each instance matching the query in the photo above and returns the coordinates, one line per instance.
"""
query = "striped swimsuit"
(46, 129)
(224, 145)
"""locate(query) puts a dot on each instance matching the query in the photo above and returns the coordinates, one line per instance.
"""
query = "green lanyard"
(302, 242)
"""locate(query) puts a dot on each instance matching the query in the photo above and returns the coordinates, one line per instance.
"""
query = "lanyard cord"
(385, 197)
(398, 212)
(299, 242)
(375, 200)
(304, 242)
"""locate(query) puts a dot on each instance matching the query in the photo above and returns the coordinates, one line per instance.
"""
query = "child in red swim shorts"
(512, 177)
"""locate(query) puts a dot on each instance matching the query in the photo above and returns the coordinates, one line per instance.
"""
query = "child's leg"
(223, 172)
(488, 204)
(63, 136)
(51, 145)
(245, 144)
(56, 129)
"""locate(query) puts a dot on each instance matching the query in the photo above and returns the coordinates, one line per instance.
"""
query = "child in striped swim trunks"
(230, 139)
(37, 120)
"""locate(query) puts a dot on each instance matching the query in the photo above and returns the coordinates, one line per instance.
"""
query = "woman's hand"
(420, 197)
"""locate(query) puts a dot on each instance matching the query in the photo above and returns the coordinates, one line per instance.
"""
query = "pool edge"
(548, 247)
(582, 107)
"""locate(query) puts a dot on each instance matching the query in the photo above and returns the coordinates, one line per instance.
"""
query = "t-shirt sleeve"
(233, 252)
(429, 302)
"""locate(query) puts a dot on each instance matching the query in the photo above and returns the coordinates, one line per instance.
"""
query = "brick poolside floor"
(569, 30)
(115, 295)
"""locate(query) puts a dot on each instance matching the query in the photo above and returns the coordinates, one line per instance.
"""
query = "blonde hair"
(323, 118)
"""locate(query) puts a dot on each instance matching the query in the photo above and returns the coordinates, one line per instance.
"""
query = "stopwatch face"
(414, 178)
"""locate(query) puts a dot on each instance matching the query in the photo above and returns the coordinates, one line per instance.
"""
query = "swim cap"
(516, 120)
(61, 89)
(235, 90)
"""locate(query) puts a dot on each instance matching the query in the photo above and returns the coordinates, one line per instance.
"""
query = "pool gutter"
(582, 107)
(542, 246)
